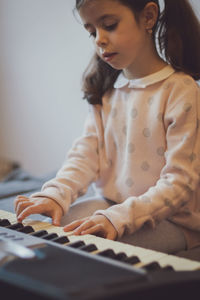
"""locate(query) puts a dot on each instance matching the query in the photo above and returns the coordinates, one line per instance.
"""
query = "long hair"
(178, 33)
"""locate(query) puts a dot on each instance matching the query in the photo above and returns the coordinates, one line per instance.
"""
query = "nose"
(101, 38)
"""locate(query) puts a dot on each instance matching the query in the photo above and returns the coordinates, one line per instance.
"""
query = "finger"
(111, 236)
(32, 209)
(96, 229)
(21, 206)
(84, 226)
(73, 225)
(18, 199)
(56, 217)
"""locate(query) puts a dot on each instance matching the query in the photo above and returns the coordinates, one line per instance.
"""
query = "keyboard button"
(4, 222)
(107, 253)
(153, 266)
(26, 229)
(132, 260)
(76, 244)
(39, 233)
(15, 226)
(89, 248)
(61, 240)
(50, 236)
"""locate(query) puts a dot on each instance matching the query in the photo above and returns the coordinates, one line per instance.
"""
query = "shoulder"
(182, 81)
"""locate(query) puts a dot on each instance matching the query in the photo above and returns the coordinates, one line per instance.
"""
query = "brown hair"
(178, 34)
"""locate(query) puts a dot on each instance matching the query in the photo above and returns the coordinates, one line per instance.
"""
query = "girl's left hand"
(98, 225)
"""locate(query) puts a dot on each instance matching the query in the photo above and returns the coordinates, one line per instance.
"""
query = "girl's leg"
(166, 237)
(85, 207)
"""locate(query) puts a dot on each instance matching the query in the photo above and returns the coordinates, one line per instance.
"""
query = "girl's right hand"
(25, 206)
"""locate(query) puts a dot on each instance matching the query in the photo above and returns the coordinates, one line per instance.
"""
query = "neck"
(150, 62)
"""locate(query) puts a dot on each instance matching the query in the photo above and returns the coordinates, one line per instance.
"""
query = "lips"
(108, 56)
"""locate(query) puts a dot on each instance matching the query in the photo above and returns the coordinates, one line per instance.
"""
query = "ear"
(150, 15)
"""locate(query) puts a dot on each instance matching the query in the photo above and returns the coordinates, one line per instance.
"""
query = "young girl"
(141, 140)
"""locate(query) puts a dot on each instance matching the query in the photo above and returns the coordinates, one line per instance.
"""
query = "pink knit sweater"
(141, 148)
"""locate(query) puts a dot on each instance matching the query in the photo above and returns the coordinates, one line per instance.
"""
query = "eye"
(111, 27)
(92, 34)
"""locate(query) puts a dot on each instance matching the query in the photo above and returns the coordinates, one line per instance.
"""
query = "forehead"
(94, 9)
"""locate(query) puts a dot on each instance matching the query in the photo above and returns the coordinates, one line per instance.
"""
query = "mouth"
(108, 56)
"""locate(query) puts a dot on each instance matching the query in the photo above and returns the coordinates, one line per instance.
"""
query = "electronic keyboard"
(41, 261)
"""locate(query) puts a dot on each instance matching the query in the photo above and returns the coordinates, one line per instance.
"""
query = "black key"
(61, 240)
(39, 233)
(107, 253)
(4, 222)
(121, 256)
(153, 266)
(168, 268)
(76, 244)
(26, 229)
(50, 236)
(15, 226)
(132, 260)
(89, 248)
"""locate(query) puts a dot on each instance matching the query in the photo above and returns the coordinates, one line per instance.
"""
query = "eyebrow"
(101, 19)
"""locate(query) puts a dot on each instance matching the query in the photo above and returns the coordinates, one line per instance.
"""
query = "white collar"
(145, 81)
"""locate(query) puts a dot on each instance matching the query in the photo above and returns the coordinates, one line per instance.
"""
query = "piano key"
(26, 229)
(4, 222)
(153, 266)
(39, 233)
(88, 248)
(168, 268)
(144, 255)
(50, 236)
(132, 260)
(178, 263)
(61, 240)
(107, 253)
(76, 244)
(121, 256)
(15, 226)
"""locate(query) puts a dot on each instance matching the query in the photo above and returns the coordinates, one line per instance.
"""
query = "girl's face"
(119, 40)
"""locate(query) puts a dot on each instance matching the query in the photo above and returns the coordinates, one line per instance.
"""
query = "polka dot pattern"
(129, 182)
(192, 157)
(131, 148)
(160, 117)
(124, 130)
(187, 107)
(161, 151)
(150, 100)
(145, 166)
(146, 132)
(114, 113)
(134, 113)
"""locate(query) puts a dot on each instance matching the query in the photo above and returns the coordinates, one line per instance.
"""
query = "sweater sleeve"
(78, 171)
(179, 176)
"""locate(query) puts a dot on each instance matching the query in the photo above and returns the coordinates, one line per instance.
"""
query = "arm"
(78, 171)
(180, 175)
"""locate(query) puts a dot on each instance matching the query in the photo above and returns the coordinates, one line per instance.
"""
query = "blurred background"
(43, 53)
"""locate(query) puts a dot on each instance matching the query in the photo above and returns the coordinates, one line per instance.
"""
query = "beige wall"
(43, 52)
